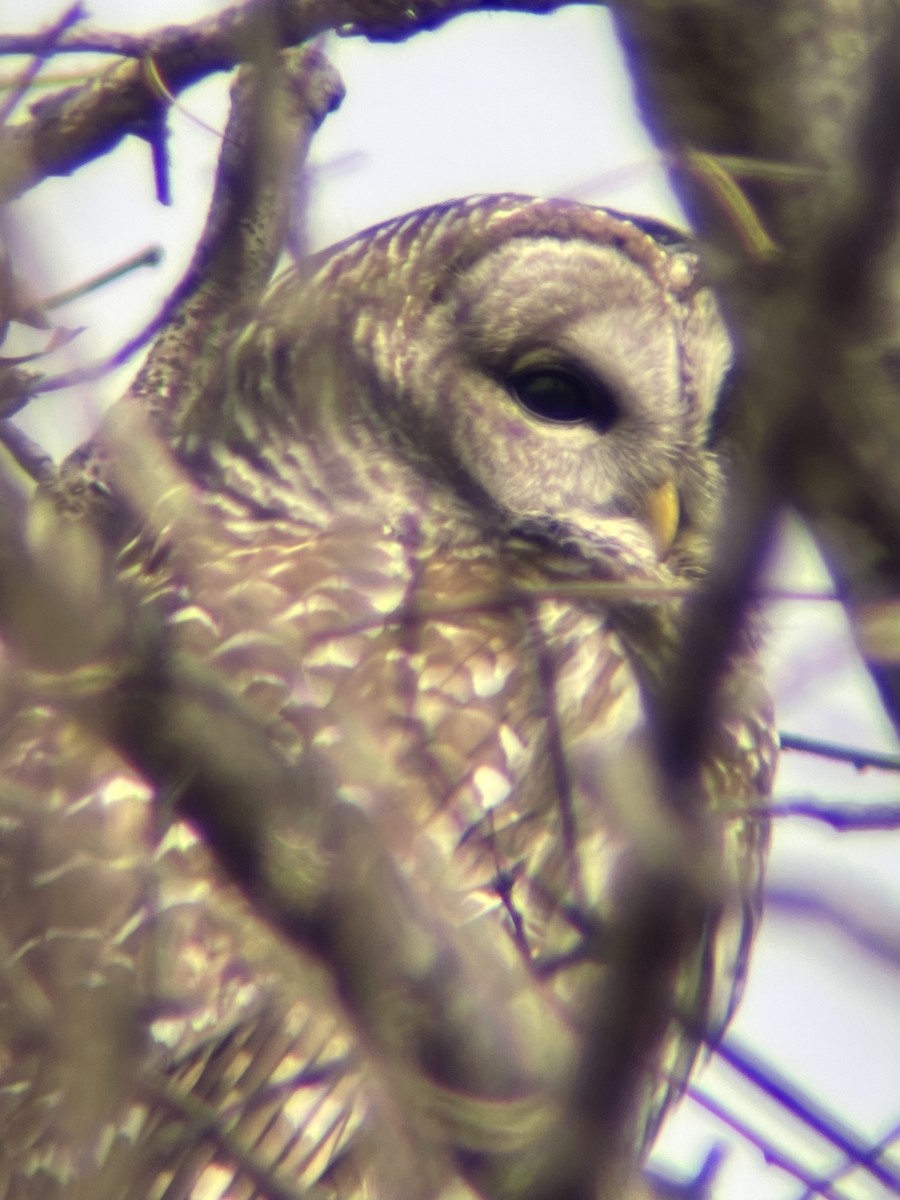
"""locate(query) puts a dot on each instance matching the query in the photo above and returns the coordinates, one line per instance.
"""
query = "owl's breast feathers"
(480, 719)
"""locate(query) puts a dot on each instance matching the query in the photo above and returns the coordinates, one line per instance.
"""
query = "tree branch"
(73, 126)
(861, 759)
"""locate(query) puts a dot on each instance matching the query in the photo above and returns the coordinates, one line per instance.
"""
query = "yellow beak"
(663, 510)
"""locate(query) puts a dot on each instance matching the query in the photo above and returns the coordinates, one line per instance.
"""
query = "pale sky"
(539, 105)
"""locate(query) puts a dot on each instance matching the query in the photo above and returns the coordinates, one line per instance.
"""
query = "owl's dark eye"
(561, 394)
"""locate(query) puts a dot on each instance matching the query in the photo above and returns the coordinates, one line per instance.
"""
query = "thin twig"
(31, 457)
(378, 20)
(779, 1158)
(860, 759)
(848, 817)
(770, 1081)
(151, 257)
(817, 1186)
(47, 44)
(871, 923)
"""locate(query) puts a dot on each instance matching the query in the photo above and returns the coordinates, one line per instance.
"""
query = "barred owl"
(449, 484)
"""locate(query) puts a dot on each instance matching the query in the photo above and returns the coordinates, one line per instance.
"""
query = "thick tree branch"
(73, 126)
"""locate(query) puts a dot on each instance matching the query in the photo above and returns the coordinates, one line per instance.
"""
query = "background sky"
(540, 105)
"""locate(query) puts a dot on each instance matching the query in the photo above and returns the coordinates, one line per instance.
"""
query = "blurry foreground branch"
(815, 422)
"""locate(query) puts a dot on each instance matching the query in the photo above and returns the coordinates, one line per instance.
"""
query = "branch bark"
(68, 129)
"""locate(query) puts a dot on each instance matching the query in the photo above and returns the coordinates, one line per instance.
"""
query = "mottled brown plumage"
(412, 457)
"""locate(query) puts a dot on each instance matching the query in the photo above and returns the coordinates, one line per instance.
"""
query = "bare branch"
(818, 1187)
(845, 818)
(766, 1077)
(861, 759)
(378, 20)
(773, 1154)
(47, 43)
(871, 923)
(73, 126)
(28, 454)
(151, 257)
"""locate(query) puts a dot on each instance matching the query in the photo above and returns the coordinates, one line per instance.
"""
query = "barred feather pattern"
(429, 590)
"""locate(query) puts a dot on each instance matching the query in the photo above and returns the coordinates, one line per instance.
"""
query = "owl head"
(528, 365)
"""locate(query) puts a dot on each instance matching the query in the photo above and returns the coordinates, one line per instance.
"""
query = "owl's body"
(420, 458)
